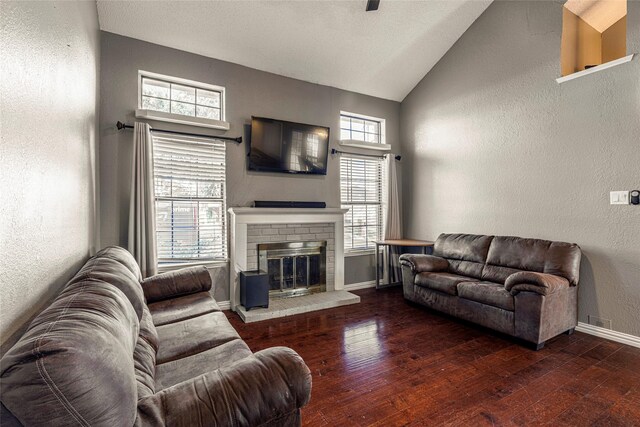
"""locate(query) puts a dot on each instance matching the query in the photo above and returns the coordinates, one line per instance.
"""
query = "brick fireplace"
(294, 268)
(306, 229)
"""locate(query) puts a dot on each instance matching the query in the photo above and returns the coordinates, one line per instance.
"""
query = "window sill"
(180, 119)
(595, 69)
(209, 264)
(364, 144)
(367, 252)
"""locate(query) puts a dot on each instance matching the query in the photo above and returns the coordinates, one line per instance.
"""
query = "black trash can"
(254, 289)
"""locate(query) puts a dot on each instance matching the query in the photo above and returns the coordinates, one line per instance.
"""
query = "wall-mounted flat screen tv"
(287, 147)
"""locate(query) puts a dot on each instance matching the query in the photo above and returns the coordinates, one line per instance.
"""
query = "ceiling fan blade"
(372, 5)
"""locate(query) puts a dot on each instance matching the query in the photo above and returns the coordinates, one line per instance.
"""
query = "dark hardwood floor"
(385, 362)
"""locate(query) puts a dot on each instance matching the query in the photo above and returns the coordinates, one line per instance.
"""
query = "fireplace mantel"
(240, 217)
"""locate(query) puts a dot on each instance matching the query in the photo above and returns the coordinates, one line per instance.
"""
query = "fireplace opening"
(294, 268)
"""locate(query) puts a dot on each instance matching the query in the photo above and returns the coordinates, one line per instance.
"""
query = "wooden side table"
(424, 244)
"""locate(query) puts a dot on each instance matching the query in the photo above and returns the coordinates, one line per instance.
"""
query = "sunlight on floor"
(362, 344)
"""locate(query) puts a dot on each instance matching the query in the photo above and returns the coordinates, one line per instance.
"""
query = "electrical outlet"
(619, 197)
(599, 322)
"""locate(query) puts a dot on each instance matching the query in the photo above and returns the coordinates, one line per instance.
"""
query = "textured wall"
(493, 145)
(49, 63)
(249, 92)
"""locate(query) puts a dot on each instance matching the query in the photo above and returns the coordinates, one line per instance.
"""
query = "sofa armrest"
(268, 385)
(176, 283)
(423, 263)
(541, 283)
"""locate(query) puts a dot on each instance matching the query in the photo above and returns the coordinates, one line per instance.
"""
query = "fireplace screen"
(294, 268)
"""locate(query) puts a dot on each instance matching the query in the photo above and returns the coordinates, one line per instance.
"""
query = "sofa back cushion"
(116, 266)
(496, 273)
(123, 257)
(74, 365)
(144, 356)
(509, 254)
(466, 253)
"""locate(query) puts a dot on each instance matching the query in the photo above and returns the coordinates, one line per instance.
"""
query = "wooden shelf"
(595, 69)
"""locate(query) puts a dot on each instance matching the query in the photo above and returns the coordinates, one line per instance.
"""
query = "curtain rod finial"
(398, 157)
(120, 125)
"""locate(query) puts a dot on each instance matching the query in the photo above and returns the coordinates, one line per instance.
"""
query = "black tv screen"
(281, 146)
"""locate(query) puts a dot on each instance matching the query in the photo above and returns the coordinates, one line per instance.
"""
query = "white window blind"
(189, 176)
(361, 193)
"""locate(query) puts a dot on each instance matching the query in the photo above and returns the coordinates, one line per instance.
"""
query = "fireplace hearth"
(294, 268)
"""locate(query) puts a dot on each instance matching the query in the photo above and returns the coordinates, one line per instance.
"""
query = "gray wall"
(249, 92)
(48, 119)
(493, 145)
(359, 269)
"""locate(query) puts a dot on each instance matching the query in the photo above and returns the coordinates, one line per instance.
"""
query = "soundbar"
(288, 204)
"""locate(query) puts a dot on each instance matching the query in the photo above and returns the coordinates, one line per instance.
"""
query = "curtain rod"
(397, 156)
(237, 140)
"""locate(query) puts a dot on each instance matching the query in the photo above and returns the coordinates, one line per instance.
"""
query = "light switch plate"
(619, 197)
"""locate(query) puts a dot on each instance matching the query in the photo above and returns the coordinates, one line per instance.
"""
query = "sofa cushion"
(465, 247)
(144, 356)
(122, 256)
(74, 365)
(182, 308)
(497, 274)
(541, 256)
(487, 293)
(443, 282)
(148, 330)
(177, 371)
(466, 268)
(113, 266)
(195, 335)
(518, 253)
(177, 283)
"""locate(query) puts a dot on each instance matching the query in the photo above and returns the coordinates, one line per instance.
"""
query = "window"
(180, 101)
(355, 127)
(189, 177)
(361, 193)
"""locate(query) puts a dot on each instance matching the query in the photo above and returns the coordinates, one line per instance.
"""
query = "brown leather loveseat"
(526, 288)
(115, 350)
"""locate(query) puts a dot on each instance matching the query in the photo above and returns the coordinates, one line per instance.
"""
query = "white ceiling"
(331, 42)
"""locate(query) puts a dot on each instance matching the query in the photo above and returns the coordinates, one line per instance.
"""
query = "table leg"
(389, 265)
(377, 266)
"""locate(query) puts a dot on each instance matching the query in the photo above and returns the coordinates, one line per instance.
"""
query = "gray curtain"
(392, 218)
(142, 215)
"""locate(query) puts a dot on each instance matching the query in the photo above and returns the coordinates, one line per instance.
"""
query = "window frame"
(177, 263)
(181, 118)
(349, 250)
(380, 145)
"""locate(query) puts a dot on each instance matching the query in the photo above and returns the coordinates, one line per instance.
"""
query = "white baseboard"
(620, 337)
(224, 305)
(361, 285)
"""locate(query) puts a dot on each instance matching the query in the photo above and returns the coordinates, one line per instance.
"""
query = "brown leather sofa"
(115, 350)
(526, 288)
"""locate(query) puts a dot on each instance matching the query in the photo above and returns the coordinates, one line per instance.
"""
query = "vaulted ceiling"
(331, 42)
